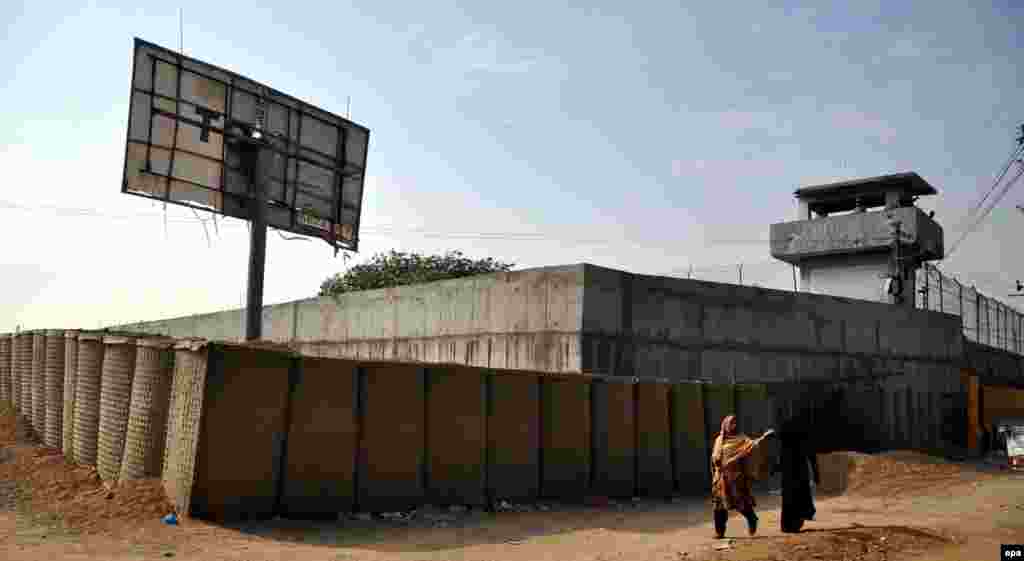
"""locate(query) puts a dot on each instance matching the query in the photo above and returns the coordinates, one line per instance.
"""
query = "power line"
(999, 197)
(391, 231)
(1014, 155)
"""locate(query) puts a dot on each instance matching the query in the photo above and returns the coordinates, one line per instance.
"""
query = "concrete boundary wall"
(588, 319)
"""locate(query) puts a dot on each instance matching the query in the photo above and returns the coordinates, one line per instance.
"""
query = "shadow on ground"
(441, 530)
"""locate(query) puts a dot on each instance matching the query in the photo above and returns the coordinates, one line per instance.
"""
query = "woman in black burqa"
(797, 462)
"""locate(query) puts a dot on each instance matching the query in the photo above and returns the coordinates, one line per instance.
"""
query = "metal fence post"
(924, 293)
(941, 307)
(977, 315)
(960, 297)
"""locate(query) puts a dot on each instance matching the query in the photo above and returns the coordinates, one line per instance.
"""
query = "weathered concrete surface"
(679, 329)
(520, 320)
(584, 318)
(855, 233)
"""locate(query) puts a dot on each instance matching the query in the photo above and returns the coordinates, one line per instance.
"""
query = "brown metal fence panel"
(146, 433)
(54, 389)
(391, 456)
(614, 439)
(115, 399)
(513, 437)
(654, 444)
(718, 403)
(455, 435)
(566, 438)
(39, 384)
(320, 475)
(756, 413)
(692, 456)
(70, 377)
(243, 429)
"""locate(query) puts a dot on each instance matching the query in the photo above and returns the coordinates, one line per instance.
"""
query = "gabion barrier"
(39, 383)
(186, 407)
(115, 397)
(70, 376)
(54, 374)
(5, 367)
(87, 397)
(147, 415)
(23, 374)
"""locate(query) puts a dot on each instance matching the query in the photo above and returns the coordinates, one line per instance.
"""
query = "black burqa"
(797, 461)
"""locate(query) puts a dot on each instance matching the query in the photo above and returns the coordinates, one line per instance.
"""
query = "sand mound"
(890, 474)
(48, 484)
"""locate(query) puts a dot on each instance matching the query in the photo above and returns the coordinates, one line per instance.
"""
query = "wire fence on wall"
(984, 319)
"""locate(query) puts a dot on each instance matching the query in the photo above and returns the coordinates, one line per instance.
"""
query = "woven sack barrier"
(54, 374)
(87, 397)
(38, 384)
(5, 367)
(68, 412)
(115, 398)
(23, 375)
(147, 415)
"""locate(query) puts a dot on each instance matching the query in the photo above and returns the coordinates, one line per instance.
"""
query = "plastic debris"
(171, 519)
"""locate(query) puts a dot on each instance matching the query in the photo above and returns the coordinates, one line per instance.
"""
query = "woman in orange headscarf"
(730, 476)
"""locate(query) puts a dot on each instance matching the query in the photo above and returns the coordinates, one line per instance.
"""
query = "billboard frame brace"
(254, 148)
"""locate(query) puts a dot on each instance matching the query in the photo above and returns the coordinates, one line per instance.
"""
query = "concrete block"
(566, 438)
(654, 444)
(728, 324)
(455, 436)
(718, 366)
(243, 427)
(792, 329)
(614, 465)
(861, 334)
(323, 417)
(513, 435)
(392, 455)
(602, 309)
(666, 362)
(663, 313)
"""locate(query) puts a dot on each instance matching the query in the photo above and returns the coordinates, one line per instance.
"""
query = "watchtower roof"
(869, 192)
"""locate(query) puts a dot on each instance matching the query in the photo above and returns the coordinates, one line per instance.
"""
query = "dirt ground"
(889, 507)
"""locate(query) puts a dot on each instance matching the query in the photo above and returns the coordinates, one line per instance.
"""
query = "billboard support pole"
(257, 246)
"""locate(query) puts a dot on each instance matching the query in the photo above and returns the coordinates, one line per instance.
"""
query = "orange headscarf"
(731, 447)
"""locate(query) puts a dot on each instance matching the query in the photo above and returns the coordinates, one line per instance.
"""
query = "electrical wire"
(1014, 155)
(999, 197)
(392, 231)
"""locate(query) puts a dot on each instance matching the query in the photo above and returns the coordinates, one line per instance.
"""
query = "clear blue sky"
(681, 130)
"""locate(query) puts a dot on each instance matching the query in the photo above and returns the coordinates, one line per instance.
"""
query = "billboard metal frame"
(257, 148)
(292, 151)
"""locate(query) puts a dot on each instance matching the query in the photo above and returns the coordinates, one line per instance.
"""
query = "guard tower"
(861, 239)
